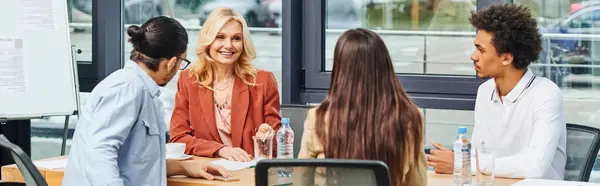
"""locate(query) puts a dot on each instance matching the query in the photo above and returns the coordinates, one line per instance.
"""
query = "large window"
(429, 41)
(424, 37)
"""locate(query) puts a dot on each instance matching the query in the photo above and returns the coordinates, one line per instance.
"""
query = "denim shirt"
(120, 135)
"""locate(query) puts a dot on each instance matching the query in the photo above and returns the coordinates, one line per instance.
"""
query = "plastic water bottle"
(285, 145)
(462, 159)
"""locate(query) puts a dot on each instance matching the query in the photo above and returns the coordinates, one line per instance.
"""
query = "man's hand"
(200, 169)
(234, 154)
(441, 159)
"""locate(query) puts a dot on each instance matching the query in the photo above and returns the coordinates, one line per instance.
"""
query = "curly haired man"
(519, 122)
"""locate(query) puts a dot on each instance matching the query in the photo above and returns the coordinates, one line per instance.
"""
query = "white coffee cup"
(175, 150)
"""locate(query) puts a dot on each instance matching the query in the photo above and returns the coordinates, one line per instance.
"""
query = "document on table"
(51, 164)
(234, 165)
(536, 182)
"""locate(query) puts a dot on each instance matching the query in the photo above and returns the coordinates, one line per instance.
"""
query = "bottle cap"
(285, 120)
(462, 130)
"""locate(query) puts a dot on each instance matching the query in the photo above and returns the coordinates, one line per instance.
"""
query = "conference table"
(10, 173)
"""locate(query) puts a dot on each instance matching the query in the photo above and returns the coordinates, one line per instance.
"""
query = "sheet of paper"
(36, 15)
(537, 182)
(234, 165)
(12, 68)
(51, 164)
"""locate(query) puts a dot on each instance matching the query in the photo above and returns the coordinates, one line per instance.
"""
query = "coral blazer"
(193, 120)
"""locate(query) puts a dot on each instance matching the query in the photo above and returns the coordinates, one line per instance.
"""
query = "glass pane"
(441, 125)
(422, 36)
(571, 56)
(262, 16)
(80, 22)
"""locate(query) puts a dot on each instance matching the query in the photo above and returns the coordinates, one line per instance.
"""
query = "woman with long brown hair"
(367, 115)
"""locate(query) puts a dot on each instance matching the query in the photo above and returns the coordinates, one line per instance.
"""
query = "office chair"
(583, 143)
(331, 171)
(31, 174)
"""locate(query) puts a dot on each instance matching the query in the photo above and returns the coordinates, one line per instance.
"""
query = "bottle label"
(466, 153)
(466, 158)
(285, 144)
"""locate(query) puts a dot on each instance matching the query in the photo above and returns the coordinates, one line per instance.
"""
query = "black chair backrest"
(583, 143)
(31, 174)
(336, 172)
(12, 184)
(297, 115)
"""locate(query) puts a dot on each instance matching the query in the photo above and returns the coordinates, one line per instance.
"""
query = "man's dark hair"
(160, 37)
(514, 31)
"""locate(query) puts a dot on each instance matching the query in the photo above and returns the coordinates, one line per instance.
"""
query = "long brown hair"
(367, 113)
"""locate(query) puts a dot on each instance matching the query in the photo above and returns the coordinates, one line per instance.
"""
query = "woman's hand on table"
(202, 169)
(234, 154)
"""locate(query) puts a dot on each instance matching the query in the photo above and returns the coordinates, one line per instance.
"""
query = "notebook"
(234, 165)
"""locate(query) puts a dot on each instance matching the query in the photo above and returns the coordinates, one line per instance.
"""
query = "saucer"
(180, 157)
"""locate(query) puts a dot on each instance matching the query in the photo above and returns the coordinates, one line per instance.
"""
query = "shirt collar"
(149, 83)
(516, 92)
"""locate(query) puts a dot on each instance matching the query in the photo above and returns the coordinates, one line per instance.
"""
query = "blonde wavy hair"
(204, 69)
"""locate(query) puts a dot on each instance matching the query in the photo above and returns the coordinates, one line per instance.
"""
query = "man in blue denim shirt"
(120, 137)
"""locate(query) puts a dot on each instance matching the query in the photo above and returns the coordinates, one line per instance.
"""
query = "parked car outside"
(255, 12)
(572, 50)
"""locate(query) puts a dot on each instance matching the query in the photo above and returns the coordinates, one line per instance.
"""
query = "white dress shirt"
(525, 130)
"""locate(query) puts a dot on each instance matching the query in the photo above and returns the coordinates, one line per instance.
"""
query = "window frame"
(107, 44)
(427, 90)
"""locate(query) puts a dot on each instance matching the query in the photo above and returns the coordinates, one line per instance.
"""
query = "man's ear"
(172, 64)
(507, 59)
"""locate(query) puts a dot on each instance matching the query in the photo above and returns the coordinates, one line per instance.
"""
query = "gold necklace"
(221, 106)
(228, 85)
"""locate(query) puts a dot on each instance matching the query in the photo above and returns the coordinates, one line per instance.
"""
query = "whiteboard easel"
(38, 69)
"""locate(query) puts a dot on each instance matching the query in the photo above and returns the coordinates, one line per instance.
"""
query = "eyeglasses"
(187, 63)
